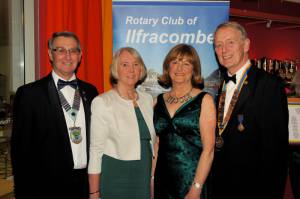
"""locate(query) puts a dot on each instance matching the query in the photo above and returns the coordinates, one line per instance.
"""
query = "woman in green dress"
(185, 121)
(122, 133)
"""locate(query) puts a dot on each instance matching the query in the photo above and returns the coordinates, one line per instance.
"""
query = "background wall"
(273, 27)
(274, 43)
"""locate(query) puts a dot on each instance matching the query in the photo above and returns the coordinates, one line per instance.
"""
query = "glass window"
(11, 53)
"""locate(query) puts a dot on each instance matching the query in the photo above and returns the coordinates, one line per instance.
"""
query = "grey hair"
(234, 25)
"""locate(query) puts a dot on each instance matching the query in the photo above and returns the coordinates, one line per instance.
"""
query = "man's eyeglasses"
(63, 51)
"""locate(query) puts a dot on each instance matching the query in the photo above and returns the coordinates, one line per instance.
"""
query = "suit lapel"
(86, 106)
(243, 96)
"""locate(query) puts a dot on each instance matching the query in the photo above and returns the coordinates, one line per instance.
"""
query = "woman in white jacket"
(122, 133)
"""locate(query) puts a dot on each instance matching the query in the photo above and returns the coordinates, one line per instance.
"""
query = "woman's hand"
(193, 193)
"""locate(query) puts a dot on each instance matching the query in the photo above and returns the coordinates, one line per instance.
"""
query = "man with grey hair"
(50, 135)
(252, 134)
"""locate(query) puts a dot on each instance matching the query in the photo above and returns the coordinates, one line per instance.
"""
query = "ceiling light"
(269, 23)
(294, 1)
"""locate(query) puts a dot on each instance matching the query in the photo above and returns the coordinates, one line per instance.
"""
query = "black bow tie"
(228, 78)
(62, 83)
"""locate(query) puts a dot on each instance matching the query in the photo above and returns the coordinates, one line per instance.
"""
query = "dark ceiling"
(279, 7)
(280, 14)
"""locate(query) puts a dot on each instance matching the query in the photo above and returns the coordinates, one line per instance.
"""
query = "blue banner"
(154, 27)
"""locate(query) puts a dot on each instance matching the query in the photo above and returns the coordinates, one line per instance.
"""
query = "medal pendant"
(241, 119)
(219, 142)
(241, 127)
(75, 134)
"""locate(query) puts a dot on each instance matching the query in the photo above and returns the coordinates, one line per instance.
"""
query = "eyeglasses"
(63, 51)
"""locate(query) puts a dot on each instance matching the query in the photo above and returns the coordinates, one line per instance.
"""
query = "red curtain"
(84, 17)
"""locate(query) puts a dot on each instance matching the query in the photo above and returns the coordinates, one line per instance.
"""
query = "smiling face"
(231, 48)
(65, 56)
(128, 69)
(181, 70)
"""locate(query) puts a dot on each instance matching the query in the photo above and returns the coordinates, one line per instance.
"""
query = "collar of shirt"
(239, 73)
(230, 86)
(56, 78)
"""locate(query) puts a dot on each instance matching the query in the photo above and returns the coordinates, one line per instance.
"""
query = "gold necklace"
(174, 100)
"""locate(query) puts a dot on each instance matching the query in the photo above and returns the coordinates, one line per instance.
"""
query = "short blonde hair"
(115, 61)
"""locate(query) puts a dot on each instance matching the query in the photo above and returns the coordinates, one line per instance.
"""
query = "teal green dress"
(128, 179)
(180, 147)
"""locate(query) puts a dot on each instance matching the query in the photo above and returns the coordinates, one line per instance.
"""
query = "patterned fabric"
(180, 147)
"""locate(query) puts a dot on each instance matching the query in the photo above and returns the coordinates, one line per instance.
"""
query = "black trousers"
(73, 184)
(294, 171)
(79, 186)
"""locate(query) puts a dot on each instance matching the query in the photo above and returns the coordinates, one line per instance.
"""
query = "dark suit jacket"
(253, 163)
(40, 147)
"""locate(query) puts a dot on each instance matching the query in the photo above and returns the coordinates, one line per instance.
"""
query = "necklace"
(174, 100)
(135, 98)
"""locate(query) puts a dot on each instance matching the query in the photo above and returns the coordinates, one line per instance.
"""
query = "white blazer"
(115, 130)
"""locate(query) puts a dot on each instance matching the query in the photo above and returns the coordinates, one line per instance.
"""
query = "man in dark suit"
(252, 136)
(50, 134)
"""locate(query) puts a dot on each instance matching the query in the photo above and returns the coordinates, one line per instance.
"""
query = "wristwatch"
(197, 185)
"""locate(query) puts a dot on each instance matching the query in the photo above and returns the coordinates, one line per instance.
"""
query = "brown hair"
(182, 51)
(63, 34)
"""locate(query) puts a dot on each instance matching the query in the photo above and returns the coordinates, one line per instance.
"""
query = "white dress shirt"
(78, 150)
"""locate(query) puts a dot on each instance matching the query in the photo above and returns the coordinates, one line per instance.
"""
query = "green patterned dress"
(180, 147)
(128, 179)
